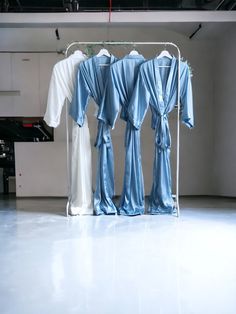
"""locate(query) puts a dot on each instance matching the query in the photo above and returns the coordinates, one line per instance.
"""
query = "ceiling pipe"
(57, 34)
(19, 5)
(195, 32)
(219, 5)
(232, 6)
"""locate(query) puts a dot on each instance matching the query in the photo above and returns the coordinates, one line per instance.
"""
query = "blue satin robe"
(91, 82)
(157, 86)
(121, 82)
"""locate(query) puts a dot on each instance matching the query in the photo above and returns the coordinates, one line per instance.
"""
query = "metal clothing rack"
(132, 43)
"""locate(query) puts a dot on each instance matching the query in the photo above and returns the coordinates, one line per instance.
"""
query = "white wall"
(224, 155)
(197, 150)
(41, 169)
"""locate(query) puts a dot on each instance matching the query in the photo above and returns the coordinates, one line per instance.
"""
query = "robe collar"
(96, 62)
(161, 97)
(139, 56)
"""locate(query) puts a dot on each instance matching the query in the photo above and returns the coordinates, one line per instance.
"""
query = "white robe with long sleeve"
(61, 89)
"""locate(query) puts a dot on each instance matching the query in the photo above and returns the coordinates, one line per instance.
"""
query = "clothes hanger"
(133, 52)
(78, 53)
(103, 52)
(164, 53)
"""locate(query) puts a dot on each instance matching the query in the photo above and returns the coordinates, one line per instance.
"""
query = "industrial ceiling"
(113, 5)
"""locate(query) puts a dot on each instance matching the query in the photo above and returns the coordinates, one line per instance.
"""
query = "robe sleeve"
(57, 94)
(186, 98)
(110, 105)
(80, 97)
(139, 103)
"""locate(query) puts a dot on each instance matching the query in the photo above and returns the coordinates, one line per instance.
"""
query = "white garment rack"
(129, 43)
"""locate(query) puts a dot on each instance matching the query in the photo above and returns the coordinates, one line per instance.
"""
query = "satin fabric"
(80, 198)
(61, 89)
(157, 86)
(91, 82)
(121, 81)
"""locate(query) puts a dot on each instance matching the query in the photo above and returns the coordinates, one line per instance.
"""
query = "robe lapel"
(163, 94)
(158, 81)
(101, 78)
(169, 81)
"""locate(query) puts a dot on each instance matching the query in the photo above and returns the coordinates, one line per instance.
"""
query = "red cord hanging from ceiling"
(110, 7)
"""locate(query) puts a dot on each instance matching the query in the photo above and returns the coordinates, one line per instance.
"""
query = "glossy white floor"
(117, 265)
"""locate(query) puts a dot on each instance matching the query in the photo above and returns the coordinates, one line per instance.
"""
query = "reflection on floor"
(50, 263)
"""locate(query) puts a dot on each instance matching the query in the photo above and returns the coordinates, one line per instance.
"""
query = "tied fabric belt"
(163, 140)
(103, 135)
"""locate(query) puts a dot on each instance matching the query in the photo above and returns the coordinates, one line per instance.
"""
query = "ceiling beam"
(129, 18)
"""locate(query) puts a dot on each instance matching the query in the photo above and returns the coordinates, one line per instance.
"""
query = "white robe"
(61, 89)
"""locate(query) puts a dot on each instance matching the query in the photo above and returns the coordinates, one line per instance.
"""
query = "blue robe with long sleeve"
(157, 86)
(91, 82)
(121, 82)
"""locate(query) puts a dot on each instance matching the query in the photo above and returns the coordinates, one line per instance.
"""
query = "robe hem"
(79, 211)
(105, 210)
(123, 212)
(159, 211)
